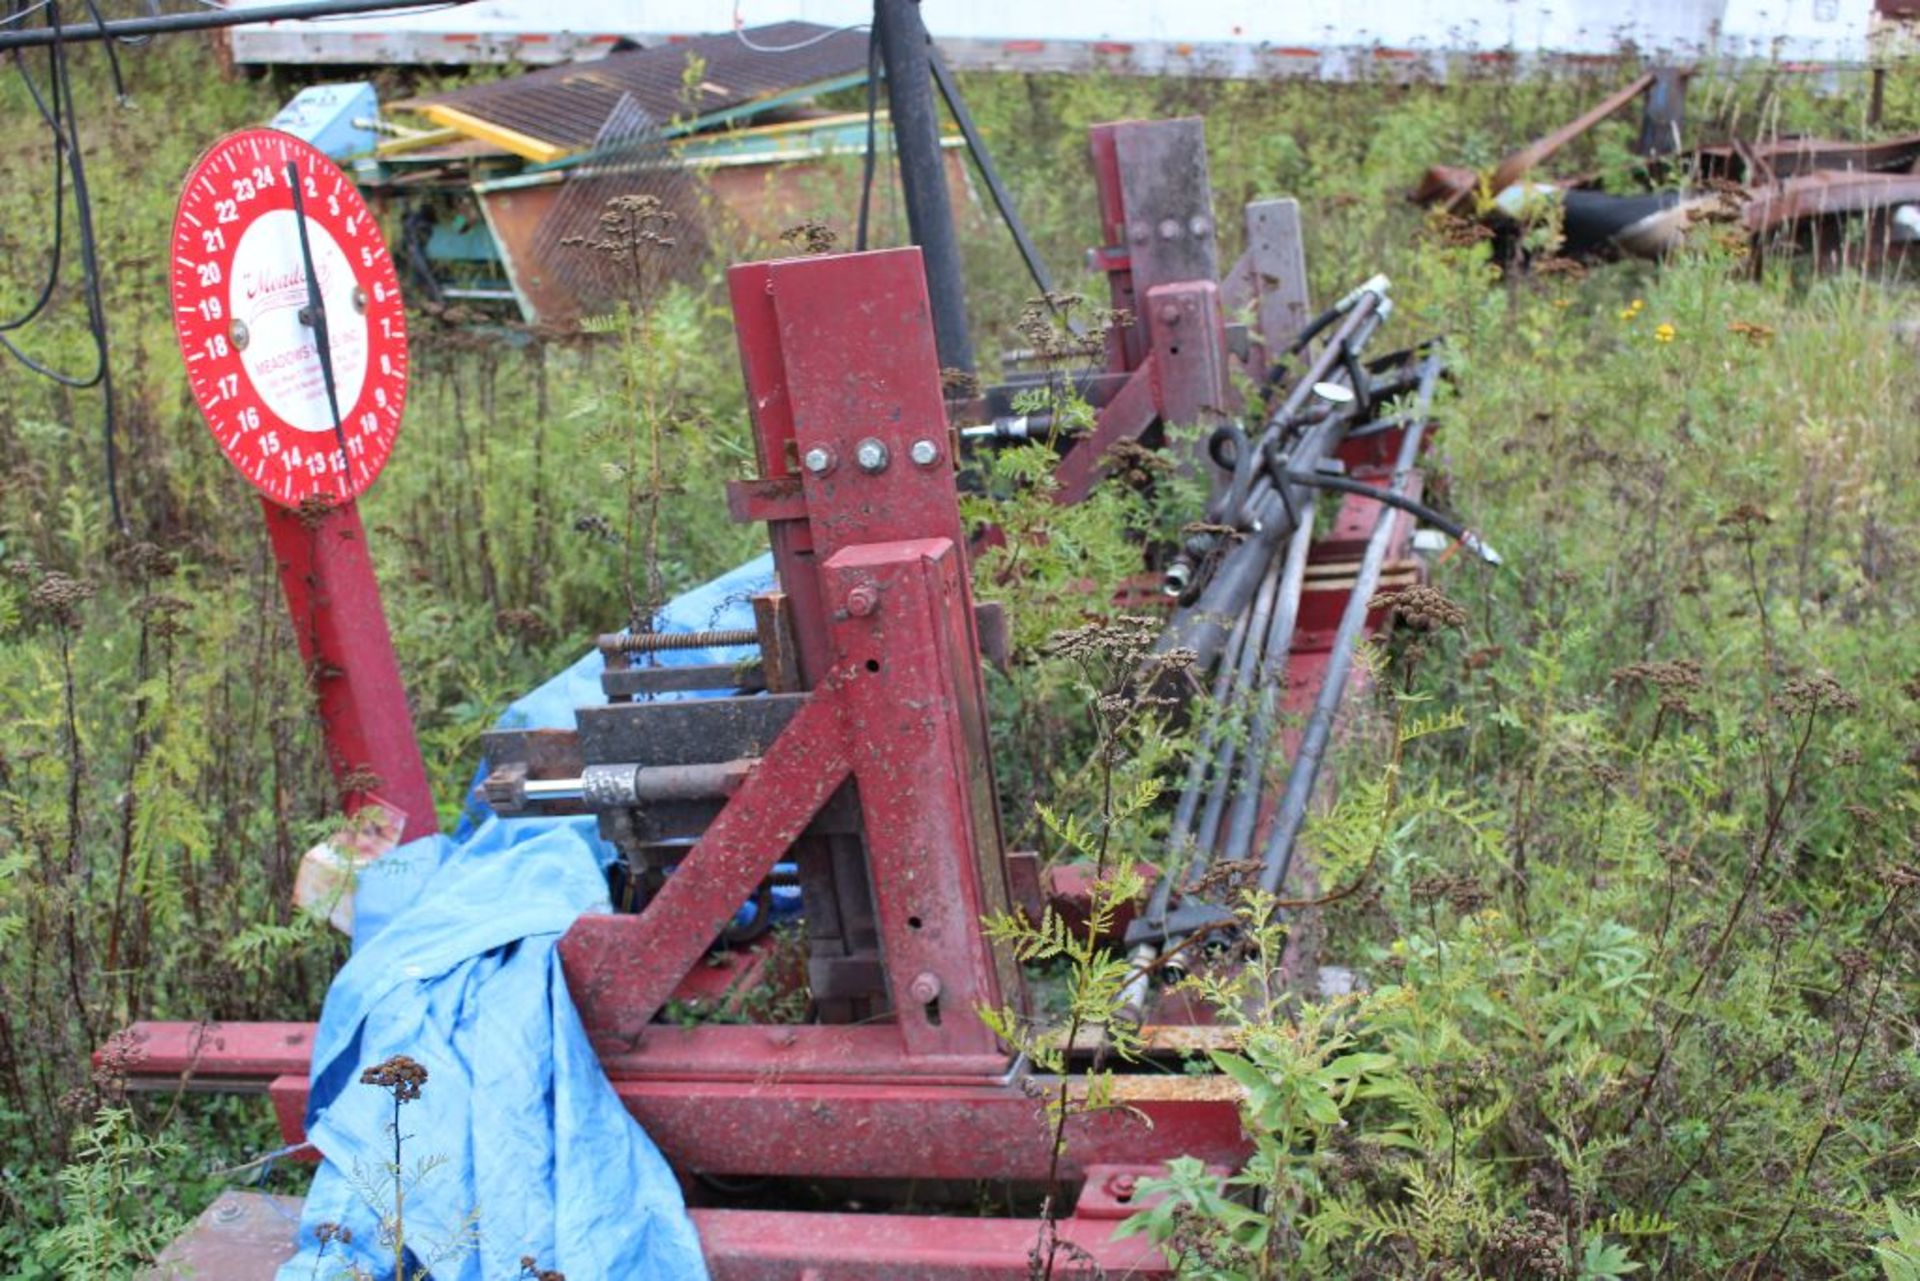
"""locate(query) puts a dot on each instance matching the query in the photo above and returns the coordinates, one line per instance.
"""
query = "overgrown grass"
(1658, 994)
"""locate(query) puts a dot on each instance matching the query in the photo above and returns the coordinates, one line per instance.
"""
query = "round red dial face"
(243, 314)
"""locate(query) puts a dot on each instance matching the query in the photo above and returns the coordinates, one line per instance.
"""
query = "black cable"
(59, 204)
(113, 56)
(873, 110)
(57, 111)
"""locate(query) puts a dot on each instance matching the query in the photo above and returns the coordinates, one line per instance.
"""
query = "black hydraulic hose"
(1277, 858)
(1203, 626)
(1445, 524)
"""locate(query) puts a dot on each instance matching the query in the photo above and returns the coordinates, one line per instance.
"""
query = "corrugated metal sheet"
(560, 110)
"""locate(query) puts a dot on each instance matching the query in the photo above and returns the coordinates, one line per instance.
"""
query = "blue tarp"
(517, 1145)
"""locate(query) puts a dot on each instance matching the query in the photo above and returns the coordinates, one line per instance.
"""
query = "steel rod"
(983, 161)
(1245, 815)
(1250, 657)
(1180, 830)
(1277, 858)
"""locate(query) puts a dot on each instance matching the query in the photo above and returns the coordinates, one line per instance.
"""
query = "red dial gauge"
(296, 425)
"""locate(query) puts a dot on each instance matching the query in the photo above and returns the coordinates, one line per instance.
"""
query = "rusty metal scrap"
(566, 107)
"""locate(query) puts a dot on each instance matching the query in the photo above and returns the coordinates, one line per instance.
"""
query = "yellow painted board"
(535, 149)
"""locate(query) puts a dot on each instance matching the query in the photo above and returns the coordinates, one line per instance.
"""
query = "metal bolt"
(360, 300)
(1170, 315)
(924, 453)
(871, 454)
(1139, 233)
(240, 334)
(925, 988)
(818, 460)
(1170, 229)
(862, 601)
(1200, 225)
(1121, 1187)
(227, 1210)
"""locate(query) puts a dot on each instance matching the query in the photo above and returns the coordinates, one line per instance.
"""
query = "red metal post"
(334, 600)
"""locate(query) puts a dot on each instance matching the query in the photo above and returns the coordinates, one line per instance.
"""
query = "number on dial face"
(240, 309)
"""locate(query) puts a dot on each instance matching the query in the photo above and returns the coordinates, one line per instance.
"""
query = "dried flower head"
(399, 1074)
(1806, 695)
(1781, 922)
(1900, 876)
(60, 596)
(329, 1232)
(162, 614)
(1571, 268)
(1746, 516)
(1422, 608)
(810, 237)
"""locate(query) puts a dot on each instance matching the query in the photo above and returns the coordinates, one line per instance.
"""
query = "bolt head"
(924, 453)
(871, 454)
(925, 987)
(818, 461)
(360, 300)
(862, 601)
(1200, 225)
(1121, 1187)
(1170, 229)
(1169, 315)
(240, 334)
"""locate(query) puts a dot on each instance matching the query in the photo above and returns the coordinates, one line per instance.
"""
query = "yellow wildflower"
(1664, 332)
(1633, 309)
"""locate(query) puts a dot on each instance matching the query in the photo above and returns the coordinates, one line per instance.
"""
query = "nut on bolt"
(924, 453)
(863, 600)
(925, 988)
(1121, 1187)
(871, 454)
(818, 460)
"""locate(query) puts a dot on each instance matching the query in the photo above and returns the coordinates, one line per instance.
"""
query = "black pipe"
(202, 20)
(904, 50)
(1292, 814)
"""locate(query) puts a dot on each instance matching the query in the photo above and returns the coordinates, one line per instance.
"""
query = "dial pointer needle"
(317, 313)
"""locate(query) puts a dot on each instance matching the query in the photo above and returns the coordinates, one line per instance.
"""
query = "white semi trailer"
(1330, 39)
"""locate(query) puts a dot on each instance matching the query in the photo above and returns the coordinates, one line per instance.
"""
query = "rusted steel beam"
(859, 1129)
(768, 1245)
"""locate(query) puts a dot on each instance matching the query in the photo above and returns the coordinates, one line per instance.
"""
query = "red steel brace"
(843, 380)
(326, 571)
(1157, 219)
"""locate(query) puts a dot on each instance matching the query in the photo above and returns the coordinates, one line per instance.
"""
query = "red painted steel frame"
(839, 356)
(1175, 352)
(841, 368)
(326, 571)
